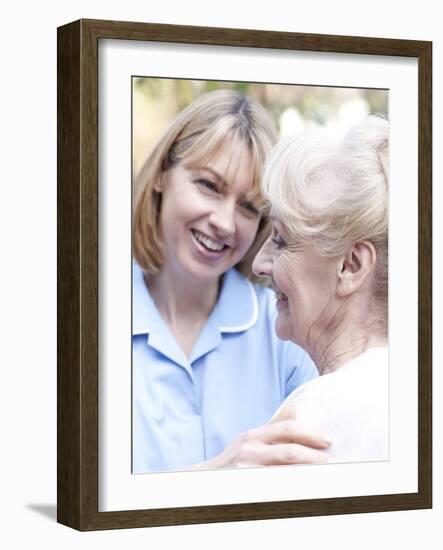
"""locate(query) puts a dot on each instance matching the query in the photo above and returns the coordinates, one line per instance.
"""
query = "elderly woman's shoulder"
(351, 381)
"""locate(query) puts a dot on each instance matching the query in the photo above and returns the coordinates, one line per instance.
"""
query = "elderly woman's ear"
(356, 268)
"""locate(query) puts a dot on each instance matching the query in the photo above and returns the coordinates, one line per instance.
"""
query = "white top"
(350, 406)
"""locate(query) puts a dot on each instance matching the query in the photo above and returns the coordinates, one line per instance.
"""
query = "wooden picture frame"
(78, 243)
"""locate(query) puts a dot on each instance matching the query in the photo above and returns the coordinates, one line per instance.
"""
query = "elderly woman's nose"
(262, 264)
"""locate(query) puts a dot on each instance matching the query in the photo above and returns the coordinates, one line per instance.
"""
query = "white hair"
(332, 195)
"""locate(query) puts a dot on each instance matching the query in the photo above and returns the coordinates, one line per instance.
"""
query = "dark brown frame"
(77, 229)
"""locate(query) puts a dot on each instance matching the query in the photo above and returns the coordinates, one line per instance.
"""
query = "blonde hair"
(331, 195)
(195, 137)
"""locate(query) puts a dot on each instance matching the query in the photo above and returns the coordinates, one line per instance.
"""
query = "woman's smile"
(208, 246)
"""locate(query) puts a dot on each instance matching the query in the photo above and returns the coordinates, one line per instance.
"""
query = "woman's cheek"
(249, 230)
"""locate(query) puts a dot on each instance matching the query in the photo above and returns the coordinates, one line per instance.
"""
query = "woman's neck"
(176, 297)
(183, 304)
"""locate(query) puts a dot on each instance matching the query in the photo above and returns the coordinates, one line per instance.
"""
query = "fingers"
(279, 455)
(280, 443)
(286, 432)
(285, 454)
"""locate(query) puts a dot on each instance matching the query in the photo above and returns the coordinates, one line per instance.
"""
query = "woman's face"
(304, 283)
(210, 214)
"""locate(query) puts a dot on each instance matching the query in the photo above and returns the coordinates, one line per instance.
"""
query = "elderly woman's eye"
(277, 240)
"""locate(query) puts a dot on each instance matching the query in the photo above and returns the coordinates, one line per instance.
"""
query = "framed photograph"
(166, 169)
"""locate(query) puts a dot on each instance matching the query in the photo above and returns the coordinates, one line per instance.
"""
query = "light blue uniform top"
(187, 410)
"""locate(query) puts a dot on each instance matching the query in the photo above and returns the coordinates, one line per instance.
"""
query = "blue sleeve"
(299, 368)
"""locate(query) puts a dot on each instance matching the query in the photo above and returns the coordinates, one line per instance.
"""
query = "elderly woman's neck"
(332, 360)
(348, 340)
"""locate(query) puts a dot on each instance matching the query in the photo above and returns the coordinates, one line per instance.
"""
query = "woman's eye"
(207, 185)
(250, 208)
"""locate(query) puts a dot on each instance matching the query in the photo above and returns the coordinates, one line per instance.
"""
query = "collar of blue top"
(235, 311)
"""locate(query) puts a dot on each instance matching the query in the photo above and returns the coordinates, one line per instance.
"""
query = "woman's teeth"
(207, 242)
(280, 296)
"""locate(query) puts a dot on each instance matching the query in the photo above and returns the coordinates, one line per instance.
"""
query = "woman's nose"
(262, 264)
(223, 219)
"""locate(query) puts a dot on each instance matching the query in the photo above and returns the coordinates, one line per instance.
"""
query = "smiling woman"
(207, 225)
(207, 367)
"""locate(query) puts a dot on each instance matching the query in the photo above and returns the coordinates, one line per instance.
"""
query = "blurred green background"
(156, 102)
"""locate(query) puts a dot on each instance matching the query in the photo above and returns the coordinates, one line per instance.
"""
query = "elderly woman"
(328, 261)
(208, 371)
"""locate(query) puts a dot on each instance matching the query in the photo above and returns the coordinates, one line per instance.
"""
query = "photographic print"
(227, 365)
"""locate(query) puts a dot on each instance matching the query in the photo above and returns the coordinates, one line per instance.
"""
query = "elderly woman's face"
(304, 283)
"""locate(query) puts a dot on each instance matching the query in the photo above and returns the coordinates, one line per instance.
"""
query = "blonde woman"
(207, 368)
(328, 260)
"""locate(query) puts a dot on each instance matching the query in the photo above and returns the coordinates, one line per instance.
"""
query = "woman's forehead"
(227, 150)
(230, 162)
